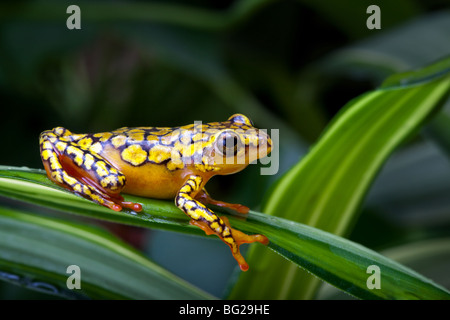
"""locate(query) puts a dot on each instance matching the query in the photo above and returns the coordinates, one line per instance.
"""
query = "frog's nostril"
(264, 140)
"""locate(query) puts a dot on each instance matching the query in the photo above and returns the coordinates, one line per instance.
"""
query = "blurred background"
(288, 65)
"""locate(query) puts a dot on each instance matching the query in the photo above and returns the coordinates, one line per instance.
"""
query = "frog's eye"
(240, 119)
(228, 143)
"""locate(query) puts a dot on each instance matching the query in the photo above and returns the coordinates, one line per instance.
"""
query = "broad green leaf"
(36, 251)
(336, 260)
(326, 188)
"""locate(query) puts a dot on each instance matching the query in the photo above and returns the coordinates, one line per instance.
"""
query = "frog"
(160, 163)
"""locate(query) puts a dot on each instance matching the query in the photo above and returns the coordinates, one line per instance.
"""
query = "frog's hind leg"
(210, 223)
(82, 171)
(205, 198)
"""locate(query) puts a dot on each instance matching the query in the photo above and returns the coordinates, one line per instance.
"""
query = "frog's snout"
(264, 144)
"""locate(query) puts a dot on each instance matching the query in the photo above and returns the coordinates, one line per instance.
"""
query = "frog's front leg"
(82, 171)
(210, 223)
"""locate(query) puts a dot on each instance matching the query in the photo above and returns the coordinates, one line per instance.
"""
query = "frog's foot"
(205, 198)
(233, 240)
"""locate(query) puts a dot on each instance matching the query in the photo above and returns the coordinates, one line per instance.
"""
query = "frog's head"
(236, 143)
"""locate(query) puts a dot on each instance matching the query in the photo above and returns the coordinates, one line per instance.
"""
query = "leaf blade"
(313, 249)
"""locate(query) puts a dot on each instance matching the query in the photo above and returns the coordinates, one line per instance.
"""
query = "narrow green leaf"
(327, 187)
(336, 260)
(35, 251)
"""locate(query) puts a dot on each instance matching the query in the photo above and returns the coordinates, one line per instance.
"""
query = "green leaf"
(336, 260)
(173, 14)
(33, 186)
(35, 251)
(327, 187)
(430, 257)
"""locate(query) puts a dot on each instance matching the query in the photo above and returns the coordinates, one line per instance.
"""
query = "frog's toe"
(233, 206)
(241, 238)
(117, 203)
(132, 205)
(205, 198)
(238, 208)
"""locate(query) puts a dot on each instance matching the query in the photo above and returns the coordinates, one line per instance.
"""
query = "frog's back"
(157, 160)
